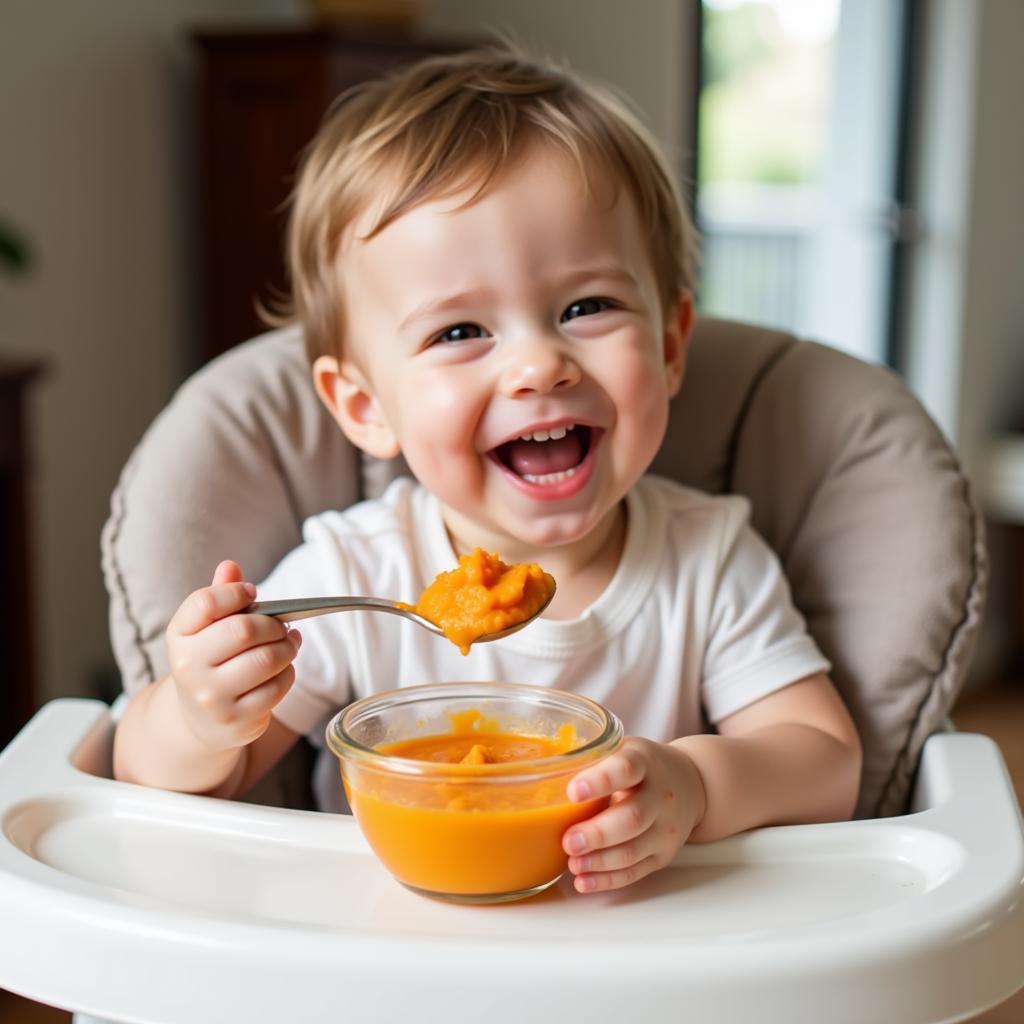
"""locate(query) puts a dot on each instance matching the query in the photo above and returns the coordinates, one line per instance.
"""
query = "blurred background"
(854, 167)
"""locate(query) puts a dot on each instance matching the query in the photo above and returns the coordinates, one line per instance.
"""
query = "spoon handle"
(306, 607)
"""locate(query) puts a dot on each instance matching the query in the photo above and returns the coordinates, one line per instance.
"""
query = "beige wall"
(641, 48)
(95, 167)
(967, 327)
(992, 389)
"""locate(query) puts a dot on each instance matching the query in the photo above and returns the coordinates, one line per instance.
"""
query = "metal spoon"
(306, 607)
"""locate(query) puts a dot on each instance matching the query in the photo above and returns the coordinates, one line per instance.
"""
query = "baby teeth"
(554, 434)
(550, 478)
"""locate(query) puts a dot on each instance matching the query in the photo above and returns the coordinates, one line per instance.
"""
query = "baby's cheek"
(643, 416)
(447, 473)
(439, 433)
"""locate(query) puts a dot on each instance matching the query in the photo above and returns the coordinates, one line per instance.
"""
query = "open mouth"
(547, 457)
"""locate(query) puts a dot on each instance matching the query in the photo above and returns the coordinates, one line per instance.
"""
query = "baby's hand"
(657, 799)
(229, 670)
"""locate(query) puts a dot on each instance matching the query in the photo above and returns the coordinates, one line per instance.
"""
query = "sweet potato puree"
(471, 834)
(483, 595)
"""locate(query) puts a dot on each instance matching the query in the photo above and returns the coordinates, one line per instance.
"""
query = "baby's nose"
(537, 367)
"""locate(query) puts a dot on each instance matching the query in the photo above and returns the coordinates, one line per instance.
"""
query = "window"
(798, 154)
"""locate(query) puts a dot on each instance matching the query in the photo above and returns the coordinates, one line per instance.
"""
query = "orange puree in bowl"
(477, 748)
(483, 595)
(474, 832)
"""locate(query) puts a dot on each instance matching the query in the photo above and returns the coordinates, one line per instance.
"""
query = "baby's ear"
(346, 392)
(678, 327)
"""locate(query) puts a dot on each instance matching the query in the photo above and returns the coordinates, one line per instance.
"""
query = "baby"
(494, 274)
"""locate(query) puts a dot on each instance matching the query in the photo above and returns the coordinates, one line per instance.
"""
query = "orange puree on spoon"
(483, 595)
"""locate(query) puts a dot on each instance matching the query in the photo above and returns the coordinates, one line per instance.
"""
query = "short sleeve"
(321, 673)
(758, 642)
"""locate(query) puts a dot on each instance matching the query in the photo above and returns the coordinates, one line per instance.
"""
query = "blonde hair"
(448, 123)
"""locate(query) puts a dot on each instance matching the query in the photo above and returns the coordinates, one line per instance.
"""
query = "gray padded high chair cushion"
(240, 457)
(850, 483)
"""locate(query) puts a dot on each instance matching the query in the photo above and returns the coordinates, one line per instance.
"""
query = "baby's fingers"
(621, 823)
(209, 604)
(256, 665)
(626, 768)
(228, 572)
(230, 636)
(261, 700)
(603, 881)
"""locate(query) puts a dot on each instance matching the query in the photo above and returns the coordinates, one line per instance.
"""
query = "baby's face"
(517, 352)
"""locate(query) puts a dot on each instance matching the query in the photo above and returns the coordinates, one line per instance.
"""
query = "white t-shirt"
(696, 623)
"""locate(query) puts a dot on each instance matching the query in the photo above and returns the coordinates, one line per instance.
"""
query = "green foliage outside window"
(763, 104)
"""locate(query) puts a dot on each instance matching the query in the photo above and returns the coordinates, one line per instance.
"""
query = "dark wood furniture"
(262, 95)
(17, 690)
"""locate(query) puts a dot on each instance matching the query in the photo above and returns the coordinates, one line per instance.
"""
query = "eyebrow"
(473, 296)
(604, 272)
(459, 300)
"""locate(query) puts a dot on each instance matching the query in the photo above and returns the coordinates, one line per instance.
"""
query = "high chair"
(141, 905)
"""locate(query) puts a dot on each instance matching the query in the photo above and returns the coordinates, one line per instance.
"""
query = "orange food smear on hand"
(483, 595)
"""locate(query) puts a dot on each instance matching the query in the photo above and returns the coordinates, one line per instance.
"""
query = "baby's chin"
(554, 532)
(516, 537)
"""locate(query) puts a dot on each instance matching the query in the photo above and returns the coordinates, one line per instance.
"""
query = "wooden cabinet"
(262, 95)
(17, 694)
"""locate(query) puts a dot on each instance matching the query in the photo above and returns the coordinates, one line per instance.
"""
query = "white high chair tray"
(141, 905)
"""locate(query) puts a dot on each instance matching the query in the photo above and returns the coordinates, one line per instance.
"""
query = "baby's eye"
(585, 307)
(461, 332)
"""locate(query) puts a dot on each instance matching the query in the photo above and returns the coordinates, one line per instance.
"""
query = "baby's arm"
(791, 757)
(207, 727)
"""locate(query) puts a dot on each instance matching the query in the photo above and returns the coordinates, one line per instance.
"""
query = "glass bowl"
(470, 833)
